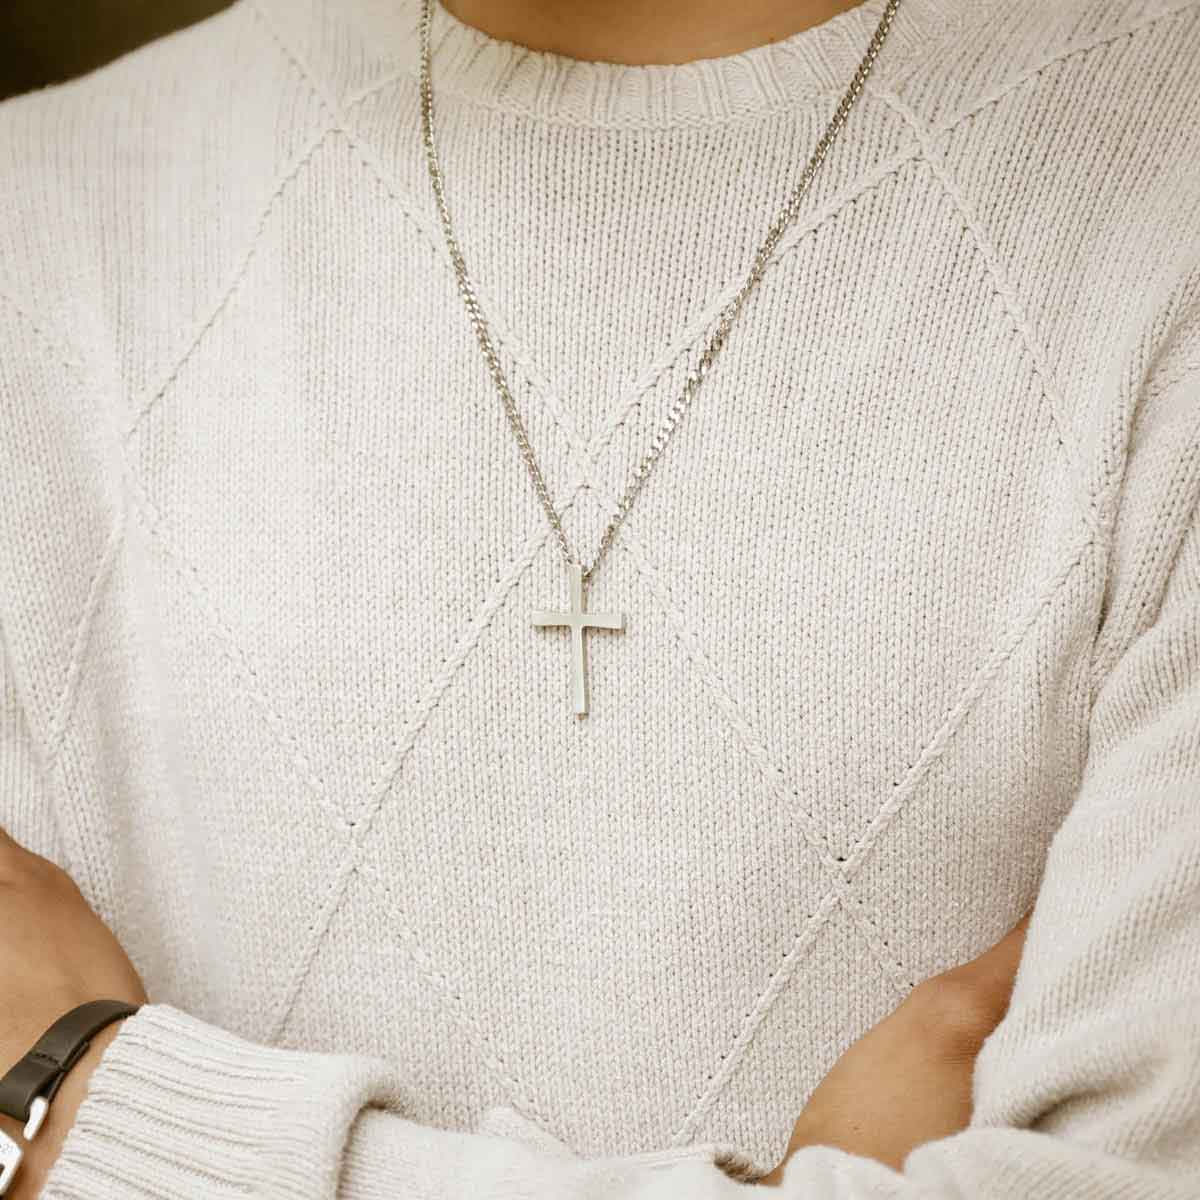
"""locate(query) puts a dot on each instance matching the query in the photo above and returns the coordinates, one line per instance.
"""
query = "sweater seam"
(53, 338)
(1015, 307)
(1153, 380)
(49, 739)
(59, 813)
(1107, 652)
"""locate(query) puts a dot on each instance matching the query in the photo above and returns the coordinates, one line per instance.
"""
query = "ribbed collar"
(382, 35)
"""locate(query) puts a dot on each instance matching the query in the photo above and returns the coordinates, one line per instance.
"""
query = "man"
(463, 827)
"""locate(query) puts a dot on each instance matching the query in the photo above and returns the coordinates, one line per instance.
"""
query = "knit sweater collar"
(471, 65)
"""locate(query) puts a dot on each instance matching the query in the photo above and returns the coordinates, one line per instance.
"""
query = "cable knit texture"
(912, 598)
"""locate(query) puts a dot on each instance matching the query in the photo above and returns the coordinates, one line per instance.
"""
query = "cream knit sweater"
(912, 598)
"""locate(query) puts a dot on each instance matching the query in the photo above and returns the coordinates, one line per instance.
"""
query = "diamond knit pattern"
(910, 597)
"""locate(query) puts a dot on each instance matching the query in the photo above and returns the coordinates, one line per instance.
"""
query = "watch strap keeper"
(39, 1073)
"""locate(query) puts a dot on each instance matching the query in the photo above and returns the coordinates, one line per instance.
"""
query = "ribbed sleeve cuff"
(183, 1110)
(178, 1109)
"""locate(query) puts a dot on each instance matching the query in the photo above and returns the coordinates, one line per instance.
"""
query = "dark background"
(45, 41)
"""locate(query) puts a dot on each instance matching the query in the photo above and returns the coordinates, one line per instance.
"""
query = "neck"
(639, 32)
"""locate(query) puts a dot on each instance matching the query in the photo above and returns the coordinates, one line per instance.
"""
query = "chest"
(822, 759)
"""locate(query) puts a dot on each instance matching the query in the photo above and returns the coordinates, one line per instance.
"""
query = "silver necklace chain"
(711, 349)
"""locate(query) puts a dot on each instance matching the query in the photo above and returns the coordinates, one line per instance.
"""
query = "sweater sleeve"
(1088, 1090)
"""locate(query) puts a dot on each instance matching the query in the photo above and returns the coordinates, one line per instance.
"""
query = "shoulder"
(1101, 96)
(127, 194)
(1099, 70)
(130, 203)
(1064, 141)
(1066, 135)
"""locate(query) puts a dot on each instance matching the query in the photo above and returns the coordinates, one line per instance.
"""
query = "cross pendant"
(577, 620)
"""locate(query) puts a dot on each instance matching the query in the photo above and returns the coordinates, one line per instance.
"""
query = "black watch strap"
(40, 1072)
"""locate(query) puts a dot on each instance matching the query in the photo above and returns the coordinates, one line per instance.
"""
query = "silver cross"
(577, 620)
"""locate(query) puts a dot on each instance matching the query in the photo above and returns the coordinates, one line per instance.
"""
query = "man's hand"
(55, 953)
(907, 1081)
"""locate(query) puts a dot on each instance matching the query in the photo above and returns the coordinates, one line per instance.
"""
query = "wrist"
(42, 1153)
